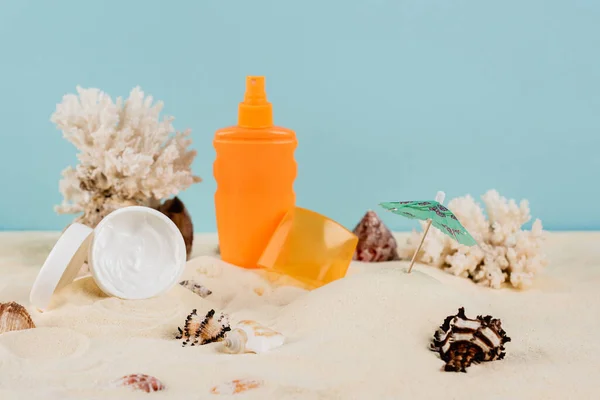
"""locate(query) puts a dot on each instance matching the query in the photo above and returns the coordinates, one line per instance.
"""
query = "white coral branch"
(507, 254)
(127, 153)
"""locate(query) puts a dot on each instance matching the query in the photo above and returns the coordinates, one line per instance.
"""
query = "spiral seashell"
(143, 382)
(461, 341)
(252, 337)
(14, 317)
(235, 341)
(236, 386)
(376, 243)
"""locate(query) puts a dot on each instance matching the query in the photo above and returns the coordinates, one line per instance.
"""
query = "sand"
(363, 337)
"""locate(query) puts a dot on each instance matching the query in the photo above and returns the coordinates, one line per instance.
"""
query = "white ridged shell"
(251, 337)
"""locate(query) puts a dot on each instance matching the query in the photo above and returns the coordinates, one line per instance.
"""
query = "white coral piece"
(128, 155)
(507, 253)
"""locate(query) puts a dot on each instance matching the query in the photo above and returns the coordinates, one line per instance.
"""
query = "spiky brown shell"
(190, 328)
(461, 341)
(461, 356)
(376, 242)
(203, 331)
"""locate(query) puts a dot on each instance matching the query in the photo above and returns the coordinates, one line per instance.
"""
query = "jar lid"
(136, 253)
(62, 264)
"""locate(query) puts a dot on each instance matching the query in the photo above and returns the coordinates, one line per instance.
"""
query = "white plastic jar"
(133, 253)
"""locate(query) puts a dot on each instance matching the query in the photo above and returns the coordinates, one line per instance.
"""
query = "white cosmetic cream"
(134, 253)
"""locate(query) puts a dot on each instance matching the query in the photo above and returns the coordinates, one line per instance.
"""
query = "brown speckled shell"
(14, 317)
(197, 288)
(145, 383)
(375, 241)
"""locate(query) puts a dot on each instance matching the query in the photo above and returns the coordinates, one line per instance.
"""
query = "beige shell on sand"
(14, 317)
(142, 382)
(251, 337)
(236, 386)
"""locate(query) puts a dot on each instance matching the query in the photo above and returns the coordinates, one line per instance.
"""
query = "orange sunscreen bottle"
(255, 171)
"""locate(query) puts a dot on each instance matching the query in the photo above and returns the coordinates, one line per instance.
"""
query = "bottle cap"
(255, 111)
(62, 265)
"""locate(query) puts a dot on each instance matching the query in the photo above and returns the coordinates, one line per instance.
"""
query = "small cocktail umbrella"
(435, 214)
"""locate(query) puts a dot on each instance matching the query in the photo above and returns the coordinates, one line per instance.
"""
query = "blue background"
(391, 100)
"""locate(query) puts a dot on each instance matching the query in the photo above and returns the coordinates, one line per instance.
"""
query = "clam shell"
(236, 386)
(143, 382)
(14, 317)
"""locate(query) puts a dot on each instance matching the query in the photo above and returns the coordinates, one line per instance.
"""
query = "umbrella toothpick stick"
(440, 199)
(433, 213)
(414, 257)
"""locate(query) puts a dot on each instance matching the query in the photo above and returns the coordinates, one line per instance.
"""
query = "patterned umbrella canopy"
(442, 218)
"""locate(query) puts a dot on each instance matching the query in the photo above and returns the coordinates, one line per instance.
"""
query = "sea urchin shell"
(145, 383)
(14, 317)
(204, 331)
(461, 341)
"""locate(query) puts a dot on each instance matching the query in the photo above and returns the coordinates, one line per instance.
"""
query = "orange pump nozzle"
(255, 111)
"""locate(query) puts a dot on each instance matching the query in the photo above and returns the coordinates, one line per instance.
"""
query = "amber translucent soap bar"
(310, 248)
